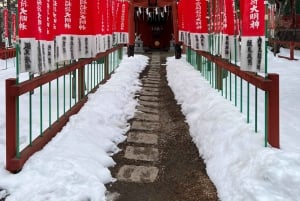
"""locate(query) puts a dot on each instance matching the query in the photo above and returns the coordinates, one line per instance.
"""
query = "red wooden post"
(175, 22)
(273, 111)
(131, 30)
(11, 127)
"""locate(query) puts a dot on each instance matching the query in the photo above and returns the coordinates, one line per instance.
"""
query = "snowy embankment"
(74, 165)
(237, 163)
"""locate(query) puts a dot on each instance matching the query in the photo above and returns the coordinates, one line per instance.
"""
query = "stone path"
(140, 171)
(144, 131)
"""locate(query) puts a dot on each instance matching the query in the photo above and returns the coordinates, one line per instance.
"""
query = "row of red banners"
(6, 27)
(51, 31)
(213, 26)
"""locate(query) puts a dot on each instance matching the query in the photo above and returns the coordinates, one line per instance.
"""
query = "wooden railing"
(74, 81)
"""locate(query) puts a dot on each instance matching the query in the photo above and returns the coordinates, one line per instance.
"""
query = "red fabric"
(196, 12)
(122, 16)
(14, 30)
(27, 18)
(229, 8)
(67, 17)
(253, 18)
(5, 20)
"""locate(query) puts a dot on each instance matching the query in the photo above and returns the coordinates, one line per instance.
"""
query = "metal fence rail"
(241, 87)
(50, 100)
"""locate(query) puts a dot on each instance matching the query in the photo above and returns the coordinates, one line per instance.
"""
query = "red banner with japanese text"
(122, 22)
(27, 24)
(51, 31)
(66, 30)
(36, 36)
(253, 36)
(199, 27)
(183, 6)
(228, 29)
(109, 22)
(5, 21)
(14, 28)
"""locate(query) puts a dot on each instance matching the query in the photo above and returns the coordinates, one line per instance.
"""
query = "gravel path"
(159, 161)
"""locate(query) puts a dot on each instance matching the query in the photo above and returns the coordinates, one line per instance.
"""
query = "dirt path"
(160, 163)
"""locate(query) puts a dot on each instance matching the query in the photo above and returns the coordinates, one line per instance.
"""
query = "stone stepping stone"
(147, 109)
(146, 116)
(149, 93)
(142, 153)
(153, 76)
(148, 103)
(151, 89)
(153, 71)
(154, 67)
(141, 137)
(137, 174)
(112, 196)
(151, 85)
(144, 125)
(149, 98)
(151, 82)
(151, 79)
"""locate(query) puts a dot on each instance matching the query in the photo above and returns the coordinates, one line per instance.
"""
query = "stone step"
(149, 98)
(151, 89)
(151, 82)
(153, 71)
(142, 153)
(146, 126)
(142, 137)
(147, 109)
(146, 116)
(114, 196)
(151, 79)
(137, 174)
(149, 103)
(149, 93)
(153, 76)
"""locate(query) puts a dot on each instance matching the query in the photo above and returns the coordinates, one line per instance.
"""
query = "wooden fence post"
(273, 111)
(11, 125)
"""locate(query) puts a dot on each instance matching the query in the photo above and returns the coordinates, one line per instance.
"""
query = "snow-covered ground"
(74, 165)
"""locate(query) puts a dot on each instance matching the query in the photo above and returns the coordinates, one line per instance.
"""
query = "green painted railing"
(50, 99)
(243, 89)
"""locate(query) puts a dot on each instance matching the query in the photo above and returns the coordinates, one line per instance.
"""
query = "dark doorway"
(154, 26)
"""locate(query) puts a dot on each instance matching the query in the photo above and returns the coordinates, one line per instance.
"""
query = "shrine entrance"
(153, 25)
(154, 29)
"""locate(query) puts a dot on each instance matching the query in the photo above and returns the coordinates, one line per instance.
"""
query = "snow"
(74, 165)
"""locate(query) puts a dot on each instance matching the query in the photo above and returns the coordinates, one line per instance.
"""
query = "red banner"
(229, 17)
(228, 29)
(27, 18)
(253, 36)
(253, 18)
(5, 19)
(121, 22)
(198, 26)
(14, 28)
(80, 29)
